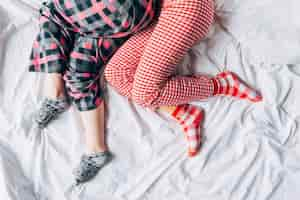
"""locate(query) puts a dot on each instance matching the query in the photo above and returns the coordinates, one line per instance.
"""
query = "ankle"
(178, 111)
(97, 149)
(55, 94)
(55, 86)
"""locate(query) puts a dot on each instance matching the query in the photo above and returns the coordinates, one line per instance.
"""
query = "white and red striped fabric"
(190, 118)
(229, 84)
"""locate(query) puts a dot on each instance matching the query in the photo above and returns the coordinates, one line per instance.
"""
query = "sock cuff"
(215, 86)
(178, 110)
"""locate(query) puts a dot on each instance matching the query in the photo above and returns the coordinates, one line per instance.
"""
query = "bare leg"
(93, 121)
(54, 86)
(168, 109)
(98, 154)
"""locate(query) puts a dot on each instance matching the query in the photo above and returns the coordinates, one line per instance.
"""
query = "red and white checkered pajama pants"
(143, 67)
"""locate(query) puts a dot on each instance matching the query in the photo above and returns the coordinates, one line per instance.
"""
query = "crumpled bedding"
(251, 151)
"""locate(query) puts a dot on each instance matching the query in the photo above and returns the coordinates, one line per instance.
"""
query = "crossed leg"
(143, 68)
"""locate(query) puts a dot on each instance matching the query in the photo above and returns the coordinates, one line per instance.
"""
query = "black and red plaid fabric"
(78, 37)
(100, 18)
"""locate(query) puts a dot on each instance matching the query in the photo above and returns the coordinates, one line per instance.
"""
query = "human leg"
(119, 72)
(145, 73)
(49, 55)
(82, 79)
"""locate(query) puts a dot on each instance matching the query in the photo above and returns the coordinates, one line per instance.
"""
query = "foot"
(190, 118)
(49, 110)
(90, 165)
(229, 84)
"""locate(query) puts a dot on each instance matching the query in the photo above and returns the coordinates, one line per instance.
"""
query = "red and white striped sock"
(229, 84)
(190, 118)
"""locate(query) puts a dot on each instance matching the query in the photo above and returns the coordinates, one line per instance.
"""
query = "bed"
(250, 151)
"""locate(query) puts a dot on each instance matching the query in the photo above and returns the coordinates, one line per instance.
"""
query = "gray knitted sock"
(90, 165)
(49, 110)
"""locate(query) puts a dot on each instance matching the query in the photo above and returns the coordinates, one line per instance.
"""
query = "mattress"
(250, 151)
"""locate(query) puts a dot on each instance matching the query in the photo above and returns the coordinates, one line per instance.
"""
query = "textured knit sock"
(49, 110)
(190, 118)
(90, 165)
(229, 84)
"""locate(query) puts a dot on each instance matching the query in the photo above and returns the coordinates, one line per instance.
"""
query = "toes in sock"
(90, 165)
(190, 118)
(229, 84)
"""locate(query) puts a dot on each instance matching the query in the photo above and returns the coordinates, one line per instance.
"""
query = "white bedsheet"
(251, 151)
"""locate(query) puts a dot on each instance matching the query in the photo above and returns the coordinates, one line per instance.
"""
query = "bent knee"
(117, 72)
(145, 98)
(120, 78)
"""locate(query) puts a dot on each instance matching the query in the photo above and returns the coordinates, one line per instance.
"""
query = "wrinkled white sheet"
(250, 152)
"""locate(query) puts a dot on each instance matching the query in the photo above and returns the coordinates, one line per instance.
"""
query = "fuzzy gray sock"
(49, 110)
(90, 165)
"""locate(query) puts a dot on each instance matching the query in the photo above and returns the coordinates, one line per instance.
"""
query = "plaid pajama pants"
(78, 37)
(146, 73)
